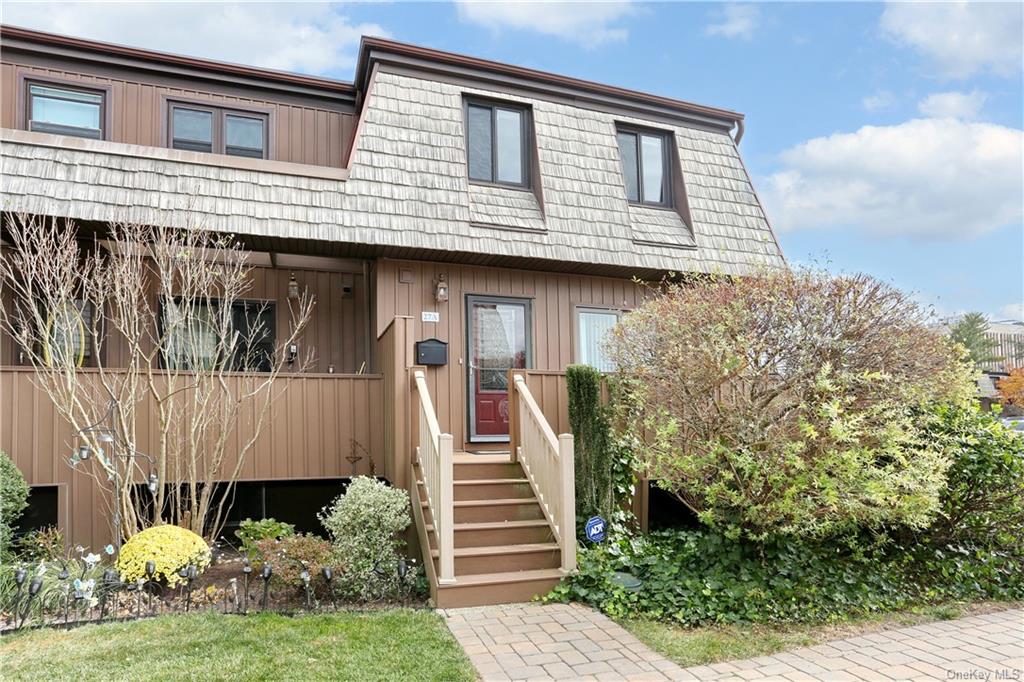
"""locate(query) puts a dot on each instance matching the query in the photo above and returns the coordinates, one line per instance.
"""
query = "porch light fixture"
(293, 288)
(84, 452)
(293, 353)
(154, 483)
(441, 288)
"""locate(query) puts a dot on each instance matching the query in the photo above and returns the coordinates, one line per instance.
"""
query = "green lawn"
(385, 645)
(712, 644)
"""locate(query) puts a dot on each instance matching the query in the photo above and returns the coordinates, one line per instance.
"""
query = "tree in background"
(1011, 389)
(971, 332)
(178, 355)
(787, 402)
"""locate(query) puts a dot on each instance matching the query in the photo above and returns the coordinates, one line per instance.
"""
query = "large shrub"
(13, 500)
(365, 525)
(784, 403)
(170, 548)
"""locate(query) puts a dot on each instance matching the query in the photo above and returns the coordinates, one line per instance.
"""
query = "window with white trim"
(593, 325)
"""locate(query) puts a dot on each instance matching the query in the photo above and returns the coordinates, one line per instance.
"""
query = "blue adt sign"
(595, 529)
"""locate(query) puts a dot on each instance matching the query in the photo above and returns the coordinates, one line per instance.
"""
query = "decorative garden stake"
(304, 576)
(328, 574)
(403, 570)
(233, 584)
(246, 571)
(150, 572)
(265, 574)
(138, 597)
(109, 582)
(33, 590)
(189, 573)
(19, 580)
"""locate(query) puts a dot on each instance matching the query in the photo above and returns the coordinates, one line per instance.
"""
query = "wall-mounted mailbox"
(431, 352)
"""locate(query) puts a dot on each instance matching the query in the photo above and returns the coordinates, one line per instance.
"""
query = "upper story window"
(66, 110)
(645, 166)
(496, 137)
(221, 131)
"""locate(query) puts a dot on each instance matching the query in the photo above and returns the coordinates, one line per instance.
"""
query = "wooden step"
(491, 488)
(477, 560)
(498, 533)
(478, 467)
(501, 509)
(497, 588)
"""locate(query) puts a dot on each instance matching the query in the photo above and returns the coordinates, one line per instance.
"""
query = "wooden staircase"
(493, 529)
(505, 550)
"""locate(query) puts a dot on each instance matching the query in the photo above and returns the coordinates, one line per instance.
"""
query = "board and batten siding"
(316, 421)
(300, 133)
(554, 299)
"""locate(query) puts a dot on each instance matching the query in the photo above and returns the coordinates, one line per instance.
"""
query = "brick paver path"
(988, 647)
(572, 642)
(553, 642)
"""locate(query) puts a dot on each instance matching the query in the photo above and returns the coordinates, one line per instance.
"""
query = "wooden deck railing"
(548, 463)
(434, 455)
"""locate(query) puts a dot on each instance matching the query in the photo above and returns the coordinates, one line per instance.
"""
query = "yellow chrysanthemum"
(170, 548)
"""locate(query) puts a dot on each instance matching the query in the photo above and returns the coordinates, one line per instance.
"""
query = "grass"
(386, 645)
(713, 644)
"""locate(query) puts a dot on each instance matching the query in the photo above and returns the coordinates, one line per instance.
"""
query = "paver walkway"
(988, 647)
(553, 642)
(572, 642)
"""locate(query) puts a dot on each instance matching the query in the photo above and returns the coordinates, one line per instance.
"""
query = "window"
(66, 110)
(593, 326)
(191, 337)
(496, 142)
(220, 131)
(645, 166)
(69, 335)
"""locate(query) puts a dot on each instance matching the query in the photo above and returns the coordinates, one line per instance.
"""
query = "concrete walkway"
(572, 642)
(553, 642)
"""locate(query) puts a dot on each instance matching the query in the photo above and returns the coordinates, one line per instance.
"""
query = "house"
(507, 213)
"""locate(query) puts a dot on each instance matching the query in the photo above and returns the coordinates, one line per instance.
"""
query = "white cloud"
(735, 21)
(306, 37)
(878, 101)
(928, 178)
(590, 24)
(1012, 311)
(965, 105)
(961, 38)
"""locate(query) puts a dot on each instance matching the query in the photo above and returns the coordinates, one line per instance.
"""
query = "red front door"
(499, 340)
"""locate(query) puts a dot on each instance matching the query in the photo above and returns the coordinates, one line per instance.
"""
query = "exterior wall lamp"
(293, 288)
(441, 288)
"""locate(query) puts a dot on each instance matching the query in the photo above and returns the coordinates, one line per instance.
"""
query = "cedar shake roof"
(406, 187)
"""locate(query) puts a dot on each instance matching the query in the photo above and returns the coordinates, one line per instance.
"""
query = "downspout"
(739, 132)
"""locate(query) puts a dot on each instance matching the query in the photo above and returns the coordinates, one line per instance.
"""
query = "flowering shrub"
(364, 525)
(784, 403)
(290, 555)
(170, 548)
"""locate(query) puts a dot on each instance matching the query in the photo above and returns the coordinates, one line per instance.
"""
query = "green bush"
(290, 555)
(252, 532)
(365, 524)
(695, 577)
(983, 501)
(13, 500)
(45, 544)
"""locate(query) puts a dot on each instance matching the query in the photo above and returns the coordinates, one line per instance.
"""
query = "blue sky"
(883, 138)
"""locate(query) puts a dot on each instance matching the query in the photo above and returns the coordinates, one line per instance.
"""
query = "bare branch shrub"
(188, 375)
(785, 402)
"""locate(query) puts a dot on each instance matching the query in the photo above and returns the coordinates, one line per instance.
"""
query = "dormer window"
(496, 145)
(645, 166)
(64, 110)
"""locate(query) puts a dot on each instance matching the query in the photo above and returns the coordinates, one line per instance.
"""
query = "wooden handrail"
(434, 455)
(547, 461)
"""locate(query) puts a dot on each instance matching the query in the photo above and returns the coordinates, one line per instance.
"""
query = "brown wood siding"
(299, 133)
(313, 426)
(554, 300)
(336, 335)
